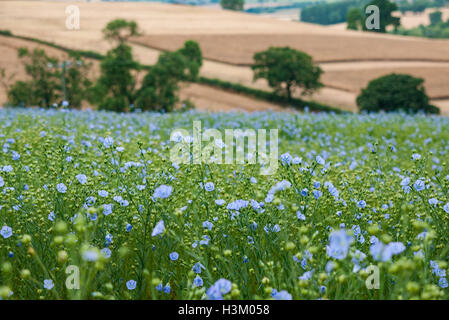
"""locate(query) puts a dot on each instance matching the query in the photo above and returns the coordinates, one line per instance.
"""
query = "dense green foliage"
(115, 88)
(395, 92)
(161, 84)
(337, 12)
(418, 6)
(194, 58)
(365, 19)
(281, 6)
(7, 33)
(75, 80)
(330, 13)
(20, 94)
(235, 87)
(120, 30)
(351, 191)
(41, 89)
(51, 81)
(286, 70)
(354, 19)
(435, 17)
(236, 5)
(386, 9)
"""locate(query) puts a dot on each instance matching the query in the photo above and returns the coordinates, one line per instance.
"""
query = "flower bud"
(26, 239)
(62, 256)
(31, 251)
(61, 227)
(5, 292)
(25, 273)
(289, 246)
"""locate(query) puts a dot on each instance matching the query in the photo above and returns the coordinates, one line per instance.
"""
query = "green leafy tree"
(395, 92)
(330, 12)
(75, 80)
(287, 69)
(116, 87)
(20, 94)
(120, 30)
(236, 5)
(354, 19)
(160, 86)
(194, 57)
(435, 17)
(421, 5)
(42, 89)
(386, 8)
(50, 81)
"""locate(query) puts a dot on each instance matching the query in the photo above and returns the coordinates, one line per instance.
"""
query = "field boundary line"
(323, 62)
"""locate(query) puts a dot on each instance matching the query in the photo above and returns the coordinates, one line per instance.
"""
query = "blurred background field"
(228, 40)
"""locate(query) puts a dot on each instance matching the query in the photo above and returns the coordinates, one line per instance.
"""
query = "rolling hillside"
(229, 39)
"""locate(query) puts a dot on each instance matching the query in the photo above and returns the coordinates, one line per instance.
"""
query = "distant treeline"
(330, 13)
(420, 5)
(335, 12)
(296, 5)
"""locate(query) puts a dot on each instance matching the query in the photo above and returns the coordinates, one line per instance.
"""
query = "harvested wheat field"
(229, 39)
(436, 83)
(212, 99)
(226, 36)
(324, 47)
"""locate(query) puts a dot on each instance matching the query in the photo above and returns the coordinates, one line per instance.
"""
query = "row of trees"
(354, 12)
(235, 5)
(330, 13)
(356, 17)
(418, 6)
(50, 80)
(287, 71)
(351, 11)
(117, 87)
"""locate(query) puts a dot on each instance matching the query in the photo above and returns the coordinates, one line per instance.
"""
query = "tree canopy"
(395, 92)
(286, 70)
